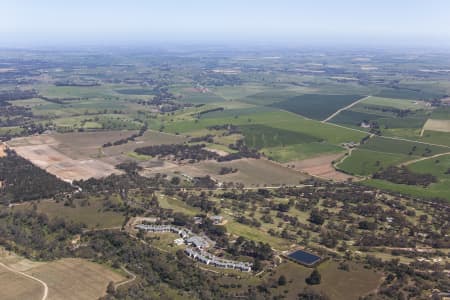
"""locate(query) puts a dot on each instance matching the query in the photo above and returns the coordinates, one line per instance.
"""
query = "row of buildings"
(210, 259)
(198, 245)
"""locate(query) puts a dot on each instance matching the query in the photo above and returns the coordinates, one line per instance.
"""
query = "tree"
(175, 180)
(316, 217)
(110, 289)
(314, 278)
(282, 280)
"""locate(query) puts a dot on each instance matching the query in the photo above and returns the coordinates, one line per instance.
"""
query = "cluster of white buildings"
(198, 245)
(210, 259)
(182, 232)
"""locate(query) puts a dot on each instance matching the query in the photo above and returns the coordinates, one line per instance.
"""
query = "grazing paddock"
(321, 166)
(437, 125)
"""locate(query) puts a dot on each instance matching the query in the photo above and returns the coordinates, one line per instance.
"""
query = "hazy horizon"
(287, 22)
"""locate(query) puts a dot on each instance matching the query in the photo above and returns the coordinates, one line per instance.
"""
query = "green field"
(378, 153)
(366, 162)
(353, 118)
(262, 136)
(388, 145)
(300, 151)
(277, 119)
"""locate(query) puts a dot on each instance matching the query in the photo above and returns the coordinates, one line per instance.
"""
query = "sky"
(288, 21)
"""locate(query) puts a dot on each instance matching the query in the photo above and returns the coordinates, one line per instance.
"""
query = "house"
(216, 219)
(198, 242)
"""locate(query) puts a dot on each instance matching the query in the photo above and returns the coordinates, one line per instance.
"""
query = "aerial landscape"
(221, 169)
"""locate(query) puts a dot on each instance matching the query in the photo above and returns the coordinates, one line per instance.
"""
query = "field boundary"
(44, 297)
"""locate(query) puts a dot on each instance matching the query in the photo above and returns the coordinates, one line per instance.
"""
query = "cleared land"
(321, 167)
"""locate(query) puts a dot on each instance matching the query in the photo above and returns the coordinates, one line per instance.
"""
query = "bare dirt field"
(321, 167)
(64, 278)
(47, 152)
(437, 125)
